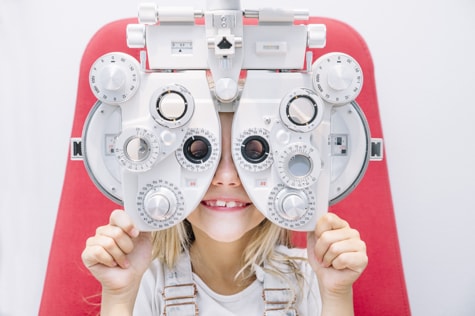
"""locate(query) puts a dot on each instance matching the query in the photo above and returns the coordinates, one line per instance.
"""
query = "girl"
(225, 259)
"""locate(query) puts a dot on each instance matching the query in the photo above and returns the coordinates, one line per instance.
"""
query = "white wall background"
(424, 54)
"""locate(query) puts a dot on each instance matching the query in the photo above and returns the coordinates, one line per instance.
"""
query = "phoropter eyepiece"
(255, 149)
(197, 149)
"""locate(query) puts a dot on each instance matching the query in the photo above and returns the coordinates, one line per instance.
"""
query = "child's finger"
(95, 254)
(328, 222)
(339, 249)
(118, 235)
(121, 219)
(106, 251)
(355, 261)
(329, 231)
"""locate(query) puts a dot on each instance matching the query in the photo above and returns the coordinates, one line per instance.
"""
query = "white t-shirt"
(248, 302)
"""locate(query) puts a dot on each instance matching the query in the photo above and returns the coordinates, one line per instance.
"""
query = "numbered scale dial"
(301, 110)
(114, 78)
(252, 150)
(172, 106)
(160, 204)
(298, 165)
(199, 150)
(337, 78)
(291, 208)
(137, 149)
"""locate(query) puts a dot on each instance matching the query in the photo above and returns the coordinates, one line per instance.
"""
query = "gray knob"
(160, 203)
(292, 204)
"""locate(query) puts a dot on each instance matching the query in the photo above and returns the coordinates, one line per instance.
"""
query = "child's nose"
(226, 173)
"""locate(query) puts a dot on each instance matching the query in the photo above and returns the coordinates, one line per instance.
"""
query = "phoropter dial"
(251, 150)
(301, 110)
(337, 78)
(199, 150)
(160, 204)
(137, 149)
(291, 208)
(298, 165)
(172, 106)
(114, 78)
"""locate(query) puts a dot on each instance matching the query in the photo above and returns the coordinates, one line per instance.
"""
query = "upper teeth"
(225, 204)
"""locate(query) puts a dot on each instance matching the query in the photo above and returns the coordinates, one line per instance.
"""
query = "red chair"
(69, 289)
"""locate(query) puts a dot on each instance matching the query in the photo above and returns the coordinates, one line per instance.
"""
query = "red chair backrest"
(69, 289)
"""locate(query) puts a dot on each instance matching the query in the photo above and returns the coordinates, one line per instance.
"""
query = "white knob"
(112, 78)
(340, 77)
(136, 36)
(317, 35)
(226, 89)
(337, 78)
(171, 106)
(148, 13)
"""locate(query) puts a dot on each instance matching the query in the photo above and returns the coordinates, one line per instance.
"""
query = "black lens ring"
(315, 113)
(190, 155)
(161, 96)
(265, 149)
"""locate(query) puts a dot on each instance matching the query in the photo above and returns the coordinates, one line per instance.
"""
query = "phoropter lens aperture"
(197, 149)
(300, 166)
(255, 149)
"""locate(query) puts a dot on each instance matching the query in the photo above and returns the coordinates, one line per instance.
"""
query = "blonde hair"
(168, 245)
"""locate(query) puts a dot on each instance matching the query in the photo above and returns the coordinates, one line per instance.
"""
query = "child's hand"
(336, 254)
(118, 255)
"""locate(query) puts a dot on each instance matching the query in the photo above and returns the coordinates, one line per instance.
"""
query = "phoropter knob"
(148, 13)
(160, 203)
(136, 36)
(291, 204)
(114, 78)
(337, 78)
(317, 35)
(172, 106)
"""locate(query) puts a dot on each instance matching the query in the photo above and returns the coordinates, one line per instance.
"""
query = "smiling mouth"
(225, 204)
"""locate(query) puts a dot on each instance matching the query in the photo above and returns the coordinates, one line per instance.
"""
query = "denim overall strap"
(179, 292)
(279, 298)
